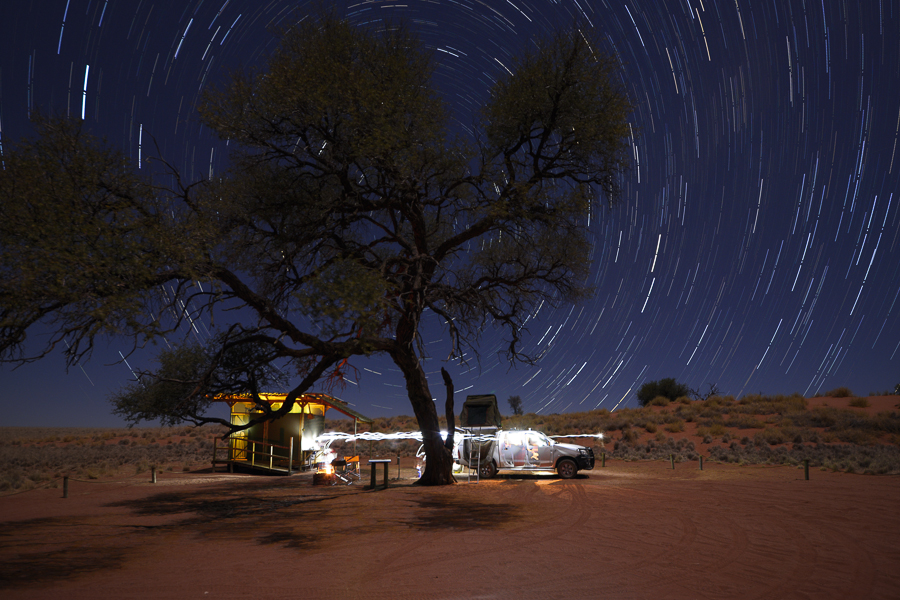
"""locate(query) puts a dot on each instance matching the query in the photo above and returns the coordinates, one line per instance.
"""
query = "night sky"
(755, 247)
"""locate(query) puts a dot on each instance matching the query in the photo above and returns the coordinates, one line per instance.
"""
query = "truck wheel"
(566, 468)
(487, 470)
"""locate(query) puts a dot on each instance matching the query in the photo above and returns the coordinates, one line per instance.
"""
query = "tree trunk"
(438, 461)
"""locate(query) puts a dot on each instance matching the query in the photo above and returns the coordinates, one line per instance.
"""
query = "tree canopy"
(667, 388)
(515, 403)
(351, 212)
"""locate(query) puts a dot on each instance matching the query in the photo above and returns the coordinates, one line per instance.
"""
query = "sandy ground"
(630, 530)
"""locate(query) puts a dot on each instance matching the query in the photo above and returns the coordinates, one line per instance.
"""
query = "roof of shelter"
(323, 399)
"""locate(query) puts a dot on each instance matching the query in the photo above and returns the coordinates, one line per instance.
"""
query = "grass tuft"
(841, 392)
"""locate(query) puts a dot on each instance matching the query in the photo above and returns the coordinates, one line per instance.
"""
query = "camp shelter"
(284, 444)
(480, 411)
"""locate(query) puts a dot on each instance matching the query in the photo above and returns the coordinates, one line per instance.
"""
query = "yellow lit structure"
(284, 444)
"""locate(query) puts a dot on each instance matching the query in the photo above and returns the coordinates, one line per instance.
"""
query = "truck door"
(512, 450)
(540, 450)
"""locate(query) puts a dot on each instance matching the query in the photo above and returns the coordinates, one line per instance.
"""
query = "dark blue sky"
(756, 246)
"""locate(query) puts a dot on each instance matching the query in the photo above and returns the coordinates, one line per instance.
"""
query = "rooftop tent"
(480, 411)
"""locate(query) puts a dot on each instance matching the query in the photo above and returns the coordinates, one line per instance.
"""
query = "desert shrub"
(744, 421)
(860, 402)
(841, 392)
(879, 460)
(717, 429)
(709, 415)
(629, 435)
(856, 436)
(683, 400)
(887, 422)
(668, 417)
(675, 426)
(758, 404)
(750, 399)
(769, 436)
(689, 412)
(712, 402)
(821, 416)
(668, 388)
(650, 426)
(660, 401)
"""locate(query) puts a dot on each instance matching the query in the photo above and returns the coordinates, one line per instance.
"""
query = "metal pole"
(603, 456)
(271, 454)
(253, 454)
(806, 468)
(65, 486)
(152, 474)
(477, 463)
(672, 458)
(701, 462)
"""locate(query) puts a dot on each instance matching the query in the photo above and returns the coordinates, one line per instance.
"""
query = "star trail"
(756, 243)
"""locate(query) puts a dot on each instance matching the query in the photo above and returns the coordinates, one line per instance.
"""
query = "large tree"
(352, 211)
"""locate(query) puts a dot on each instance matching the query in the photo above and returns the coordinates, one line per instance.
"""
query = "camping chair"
(346, 470)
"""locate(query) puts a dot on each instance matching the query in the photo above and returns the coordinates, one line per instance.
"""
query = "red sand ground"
(631, 530)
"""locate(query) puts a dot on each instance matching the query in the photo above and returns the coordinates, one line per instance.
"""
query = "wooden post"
(65, 486)
(701, 462)
(386, 473)
(603, 456)
(372, 483)
(806, 469)
(215, 440)
(253, 454)
(291, 455)
(398, 467)
(152, 474)
(672, 459)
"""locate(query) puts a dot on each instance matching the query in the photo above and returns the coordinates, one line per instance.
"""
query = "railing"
(245, 451)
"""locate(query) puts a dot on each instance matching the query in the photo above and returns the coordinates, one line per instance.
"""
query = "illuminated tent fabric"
(480, 411)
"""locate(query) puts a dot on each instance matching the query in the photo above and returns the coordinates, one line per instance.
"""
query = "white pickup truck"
(489, 450)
